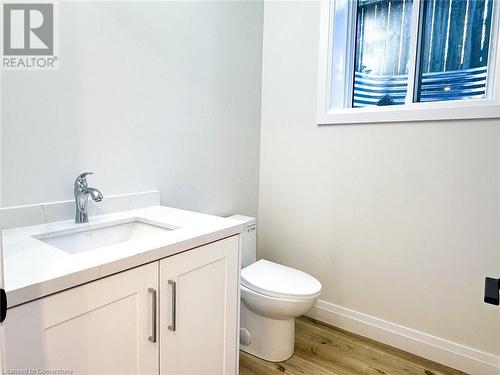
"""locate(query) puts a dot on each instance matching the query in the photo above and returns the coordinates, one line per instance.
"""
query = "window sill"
(436, 111)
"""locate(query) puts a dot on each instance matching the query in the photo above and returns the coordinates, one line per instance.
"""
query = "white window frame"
(342, 12)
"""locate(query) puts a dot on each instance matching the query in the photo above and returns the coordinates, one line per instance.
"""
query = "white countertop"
(33, 269)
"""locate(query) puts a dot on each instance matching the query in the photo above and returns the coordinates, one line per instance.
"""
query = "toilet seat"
(275, 280)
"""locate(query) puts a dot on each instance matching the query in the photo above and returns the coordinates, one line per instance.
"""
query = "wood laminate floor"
(324, 350)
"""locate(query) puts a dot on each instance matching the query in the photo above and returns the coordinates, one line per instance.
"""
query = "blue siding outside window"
(454, 43)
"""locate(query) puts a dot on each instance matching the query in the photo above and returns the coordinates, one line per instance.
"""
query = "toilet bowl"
(272, 296)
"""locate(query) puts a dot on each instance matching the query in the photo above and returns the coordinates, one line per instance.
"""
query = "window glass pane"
(382, 52)
(455, 47)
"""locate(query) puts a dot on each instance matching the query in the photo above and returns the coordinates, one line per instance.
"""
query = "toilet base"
(270, 339)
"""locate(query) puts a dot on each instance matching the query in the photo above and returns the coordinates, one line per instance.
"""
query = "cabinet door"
(102, 327)
(199, 310)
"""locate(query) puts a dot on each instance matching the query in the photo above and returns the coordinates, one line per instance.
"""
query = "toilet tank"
(248, 239)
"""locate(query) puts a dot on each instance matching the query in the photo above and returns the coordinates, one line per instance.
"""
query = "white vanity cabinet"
(130, 322)
(199, 311)
(97, 328)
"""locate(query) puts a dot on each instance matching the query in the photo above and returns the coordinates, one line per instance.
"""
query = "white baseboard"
(451, 354)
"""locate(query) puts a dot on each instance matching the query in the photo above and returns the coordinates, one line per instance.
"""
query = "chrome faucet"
(82, 192)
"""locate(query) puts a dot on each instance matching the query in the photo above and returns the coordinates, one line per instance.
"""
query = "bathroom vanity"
(147, 291)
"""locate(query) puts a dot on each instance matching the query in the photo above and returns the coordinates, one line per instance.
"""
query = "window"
(397, 60)
(455, 41)
(383, 31)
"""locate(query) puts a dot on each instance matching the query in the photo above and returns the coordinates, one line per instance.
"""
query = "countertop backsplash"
(34, 214)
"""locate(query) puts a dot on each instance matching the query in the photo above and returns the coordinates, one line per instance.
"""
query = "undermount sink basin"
(80, 240)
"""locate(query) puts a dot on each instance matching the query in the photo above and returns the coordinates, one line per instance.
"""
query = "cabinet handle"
(152, 338)
(171, 326)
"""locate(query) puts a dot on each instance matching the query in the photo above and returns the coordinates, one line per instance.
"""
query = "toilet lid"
(275, 280)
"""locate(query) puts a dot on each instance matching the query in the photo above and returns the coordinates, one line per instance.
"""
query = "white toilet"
(272, 296)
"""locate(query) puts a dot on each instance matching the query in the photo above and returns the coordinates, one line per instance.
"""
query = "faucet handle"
(81, 180)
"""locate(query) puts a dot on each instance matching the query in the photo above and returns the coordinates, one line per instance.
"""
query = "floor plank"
(324, 350)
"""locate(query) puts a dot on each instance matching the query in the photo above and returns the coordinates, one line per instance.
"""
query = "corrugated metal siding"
(456, 34)
(455, 45)
(370, 89)
(383, 34)
(453, 85)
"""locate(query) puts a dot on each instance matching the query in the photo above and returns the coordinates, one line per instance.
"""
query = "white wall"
(149, 95)
(398, 221)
